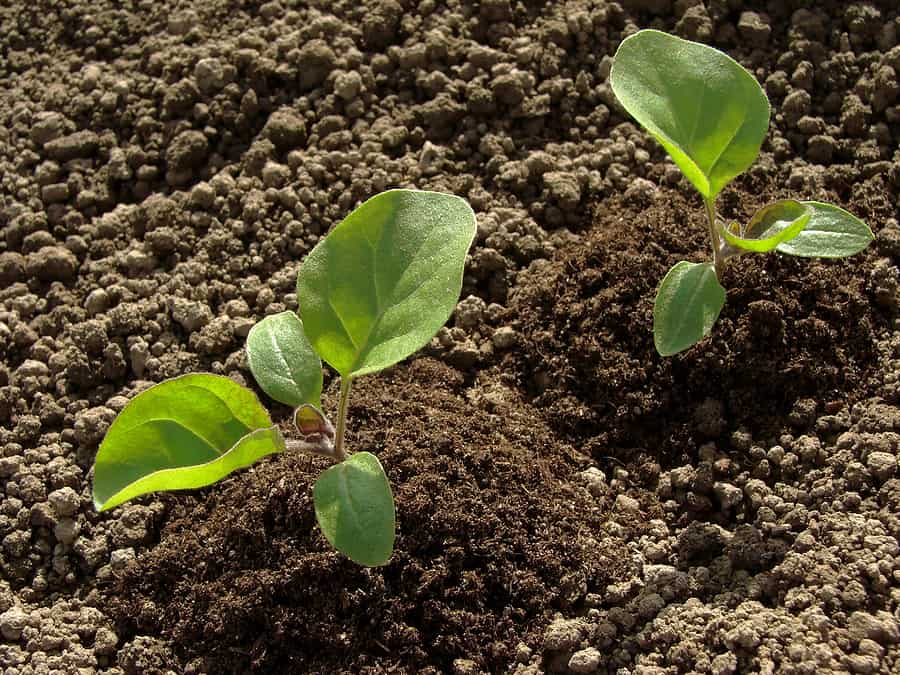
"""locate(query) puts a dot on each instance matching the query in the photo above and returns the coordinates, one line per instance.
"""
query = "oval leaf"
(709, 113)
(355, 509)
(282, 360)
(687, 305)
(190, 431)
(830, 233)
(773, 224)
(383, 282)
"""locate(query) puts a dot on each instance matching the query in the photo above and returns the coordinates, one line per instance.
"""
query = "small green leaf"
(355, 509)
(770, 226)
(282, 360)
(707, 111)
(182, 433)
(687, 305)
(383, 282)
(830, 233)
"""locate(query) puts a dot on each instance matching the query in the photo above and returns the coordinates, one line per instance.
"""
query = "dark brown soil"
(493, 538)
(567, 500)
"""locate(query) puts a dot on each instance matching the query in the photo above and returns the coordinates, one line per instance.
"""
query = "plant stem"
(715, 240)
(339, 453)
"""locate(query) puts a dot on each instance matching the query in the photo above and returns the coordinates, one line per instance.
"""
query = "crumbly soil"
(567, 500)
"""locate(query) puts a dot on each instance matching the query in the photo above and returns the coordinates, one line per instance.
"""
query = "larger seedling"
(371, 293)
(711, 116)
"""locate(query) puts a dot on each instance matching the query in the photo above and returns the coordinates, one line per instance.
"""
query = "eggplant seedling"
(711, 116)
(371, 293)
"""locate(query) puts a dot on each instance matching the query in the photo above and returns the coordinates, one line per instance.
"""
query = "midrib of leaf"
(659, 83)
(341, 320)
(280, 354)
(203, 438)
(191, 431)
(727, 145)
(362, 349)
(690, 141)
(693, 296)
(347, 494)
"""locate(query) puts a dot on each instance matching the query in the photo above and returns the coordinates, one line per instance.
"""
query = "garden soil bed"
(567, 500)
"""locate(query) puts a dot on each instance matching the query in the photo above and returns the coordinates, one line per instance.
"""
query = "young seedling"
(711, 116)
(371, 293)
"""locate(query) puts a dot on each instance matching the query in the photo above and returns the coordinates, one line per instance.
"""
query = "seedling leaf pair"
(371, 293)
(711, 116)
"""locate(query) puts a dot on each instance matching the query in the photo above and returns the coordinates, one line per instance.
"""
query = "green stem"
(339, 453)
(714, 237)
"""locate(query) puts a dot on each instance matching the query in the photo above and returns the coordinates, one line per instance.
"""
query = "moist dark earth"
(567, 500)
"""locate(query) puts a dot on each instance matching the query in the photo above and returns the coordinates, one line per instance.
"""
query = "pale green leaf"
(282, 360)
(189, 430)
(830, 233)
(355, 509)
(687, 305)
(707, 111)
(770, 226)
(247, 451)
(383, 282)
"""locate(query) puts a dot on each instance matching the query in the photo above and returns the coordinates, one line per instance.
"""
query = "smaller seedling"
(371, 293)
(711, 116)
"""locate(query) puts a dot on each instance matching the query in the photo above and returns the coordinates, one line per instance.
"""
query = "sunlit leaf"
(707, 111)
(383, 282)
(183, 433)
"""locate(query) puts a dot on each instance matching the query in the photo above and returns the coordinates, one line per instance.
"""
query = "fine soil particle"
(567, 500)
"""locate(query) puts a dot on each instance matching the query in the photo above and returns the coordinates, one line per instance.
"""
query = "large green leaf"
(772, 225)
(709, 113)
(830, 233)
(687, 305)
(382, 283)
(282, 360)
(355, 509)
(182, 433)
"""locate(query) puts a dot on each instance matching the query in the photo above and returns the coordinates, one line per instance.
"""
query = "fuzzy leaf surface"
(706, 110)
(355, 509)
(283, 361)
(383, 282)
(183, 433)
(831, 232)
(687, 305)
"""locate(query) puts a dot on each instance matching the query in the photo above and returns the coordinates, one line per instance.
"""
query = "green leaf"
(830, 233)
(355, 509)
(709, 113)
(687, 305)
(382, 283)
(770, 226)
(182, 433)
(282, 360)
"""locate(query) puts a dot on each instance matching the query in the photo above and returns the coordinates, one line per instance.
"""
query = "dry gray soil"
(568, 501)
